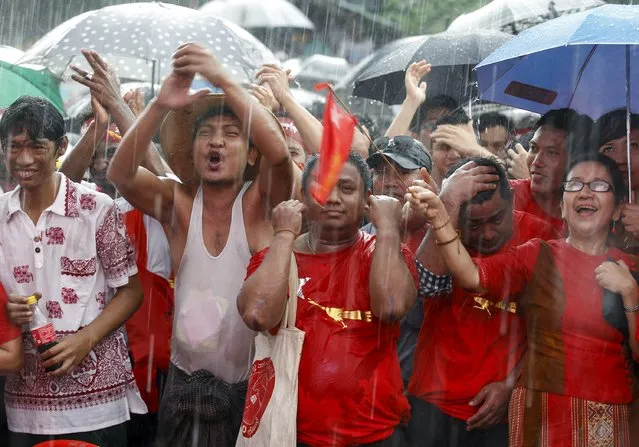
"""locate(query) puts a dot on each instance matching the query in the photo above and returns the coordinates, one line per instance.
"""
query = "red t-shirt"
(350, 385)
(596, 368)
(523, 200)
(461, 347)
(8, 331)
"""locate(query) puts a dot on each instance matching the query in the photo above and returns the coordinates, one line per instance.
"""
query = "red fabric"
(8, 331)
(337, 138)
(149, 329)
(596, 367)
(350, 384)
(461, 348)
(523, 201)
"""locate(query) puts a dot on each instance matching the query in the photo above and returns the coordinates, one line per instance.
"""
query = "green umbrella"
(34, 80)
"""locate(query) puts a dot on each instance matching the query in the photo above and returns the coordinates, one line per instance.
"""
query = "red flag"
(337, 138)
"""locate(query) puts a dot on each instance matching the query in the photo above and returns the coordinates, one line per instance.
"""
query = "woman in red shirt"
(576, 388)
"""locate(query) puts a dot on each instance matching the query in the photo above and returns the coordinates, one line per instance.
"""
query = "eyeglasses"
(594, 186)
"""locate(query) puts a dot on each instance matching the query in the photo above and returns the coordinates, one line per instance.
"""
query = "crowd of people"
(462, 285)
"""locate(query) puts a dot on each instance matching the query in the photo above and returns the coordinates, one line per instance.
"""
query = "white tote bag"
(270, 410)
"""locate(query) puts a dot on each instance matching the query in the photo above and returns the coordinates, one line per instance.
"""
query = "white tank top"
(208, 331)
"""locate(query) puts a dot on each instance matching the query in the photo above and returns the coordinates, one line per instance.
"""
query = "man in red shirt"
(469, 348)
(354, 288)
(548, 156)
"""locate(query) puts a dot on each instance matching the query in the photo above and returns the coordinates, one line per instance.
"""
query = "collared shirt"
(76, 256)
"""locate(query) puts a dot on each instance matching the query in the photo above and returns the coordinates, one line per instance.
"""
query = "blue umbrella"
(587, 61)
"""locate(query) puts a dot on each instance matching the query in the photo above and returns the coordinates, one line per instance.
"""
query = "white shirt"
(76, 255)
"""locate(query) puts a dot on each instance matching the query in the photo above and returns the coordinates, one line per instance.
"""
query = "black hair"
(354, 158)
(524, 140)
(493, 119)
(37, 116)
(211, 113)
(502, 183)
(578, 129)
(436, 102)
(455, 118)
(612, 126)
(616, 178)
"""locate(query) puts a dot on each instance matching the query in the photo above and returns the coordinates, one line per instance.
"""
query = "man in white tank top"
(214, 220)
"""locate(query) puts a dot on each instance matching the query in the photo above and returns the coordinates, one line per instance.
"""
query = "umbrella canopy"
(452, 55)
(514, 16)
(33, 80)
(10, 54)
(138, 39)
(259, 13)
(583, 61)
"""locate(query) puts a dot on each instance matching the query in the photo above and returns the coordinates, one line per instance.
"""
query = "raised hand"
(277, 79)
(460, 138)
(175, 91)
(416, 90)
(384, 212)
(516, 162)
(103, 82)
(466, 182)
(135, 100)
(264, 94)
(287, 217)
(192, 58)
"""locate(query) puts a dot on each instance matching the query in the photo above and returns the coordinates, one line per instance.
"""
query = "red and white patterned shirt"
(76, 256)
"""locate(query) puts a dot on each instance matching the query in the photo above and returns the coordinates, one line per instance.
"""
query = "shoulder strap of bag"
(290, 314)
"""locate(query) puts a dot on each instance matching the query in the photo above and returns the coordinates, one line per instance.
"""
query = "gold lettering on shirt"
(484, 304)
(339, 315)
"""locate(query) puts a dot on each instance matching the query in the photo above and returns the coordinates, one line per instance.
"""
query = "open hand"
(416, 90)
(192, 58)
(466, 182)
(277, 79)
(175, 91)
(460, 138)
(103, 82)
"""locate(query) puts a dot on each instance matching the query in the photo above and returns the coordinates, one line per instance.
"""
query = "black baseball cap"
(407, 152)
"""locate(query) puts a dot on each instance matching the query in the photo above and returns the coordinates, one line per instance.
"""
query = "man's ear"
(61, 146)
(253, 154)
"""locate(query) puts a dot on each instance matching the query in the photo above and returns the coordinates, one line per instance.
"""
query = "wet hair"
(524, 140)
(354, 158)
(616, 178)
(437, 102)
(37, 116)
(455, 118)
(493, 119)
(612, 126)
(502, 183)
(578, 128)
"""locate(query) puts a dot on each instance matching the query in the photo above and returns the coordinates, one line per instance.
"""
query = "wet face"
(428, 125)
(547, 160)
(100, 163)
(589, 213)
(617, 150)
(221, 152)
(444, 157)
(389, 183)
(31, 163)
(495, 139)
(298, 154)
(342, 215)
(488, 226)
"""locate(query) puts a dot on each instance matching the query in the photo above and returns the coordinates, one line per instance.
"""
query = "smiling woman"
(577, 358)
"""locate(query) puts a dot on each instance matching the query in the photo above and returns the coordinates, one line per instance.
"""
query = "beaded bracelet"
(631, 309)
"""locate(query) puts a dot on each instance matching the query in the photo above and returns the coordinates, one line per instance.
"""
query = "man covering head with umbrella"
(215, 221)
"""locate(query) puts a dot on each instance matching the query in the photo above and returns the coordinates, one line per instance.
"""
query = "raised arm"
(144, 190)
(415, 97)
(262, 299)
(462, 139)
(391, 285)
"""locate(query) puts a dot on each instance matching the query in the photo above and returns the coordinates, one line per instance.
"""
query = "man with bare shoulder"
(215, 219)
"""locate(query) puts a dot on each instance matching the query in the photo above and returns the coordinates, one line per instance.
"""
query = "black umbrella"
(452, 55)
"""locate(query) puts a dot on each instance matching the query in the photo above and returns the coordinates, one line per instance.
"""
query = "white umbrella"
(10, 54)
(514, 16)
(259, 13)
(139, 39)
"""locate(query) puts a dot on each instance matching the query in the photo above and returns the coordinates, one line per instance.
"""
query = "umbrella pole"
(628, 123)
(153, 78)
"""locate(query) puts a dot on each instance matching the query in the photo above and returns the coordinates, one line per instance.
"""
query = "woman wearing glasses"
(576, 385)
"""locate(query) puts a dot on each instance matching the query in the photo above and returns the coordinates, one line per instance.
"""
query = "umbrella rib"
(581, 73)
